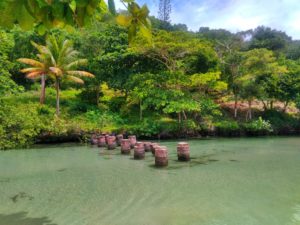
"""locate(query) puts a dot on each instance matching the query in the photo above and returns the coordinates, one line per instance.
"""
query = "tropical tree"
(112, 7)
(265, 37)
(40, 68)
(7, 85)
(62, 64)
(260, 70)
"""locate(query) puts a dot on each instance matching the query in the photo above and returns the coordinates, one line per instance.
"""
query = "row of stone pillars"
(140, 148)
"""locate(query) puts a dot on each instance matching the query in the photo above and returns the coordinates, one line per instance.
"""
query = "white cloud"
(234, 15)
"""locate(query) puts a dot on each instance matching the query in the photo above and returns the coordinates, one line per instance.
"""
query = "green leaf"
(72, 5)
(41, 29)
(124, 20)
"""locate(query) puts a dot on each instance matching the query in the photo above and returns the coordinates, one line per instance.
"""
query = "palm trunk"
(43, 89)
(57, 96)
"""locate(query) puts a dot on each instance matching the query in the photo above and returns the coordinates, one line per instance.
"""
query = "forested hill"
(178, 84)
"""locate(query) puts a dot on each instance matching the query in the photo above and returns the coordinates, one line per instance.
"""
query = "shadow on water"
(107, 154)
(21, 195)
(233, 160)
(195, 161)
(4, 180)
(22, 219)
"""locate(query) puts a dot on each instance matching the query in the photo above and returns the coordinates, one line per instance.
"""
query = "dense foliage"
(170, 83)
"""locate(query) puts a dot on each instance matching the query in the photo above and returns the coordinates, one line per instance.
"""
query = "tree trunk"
(141, 110)
(285, 106)
(97, 94)
(250, 109)
(57, 96)
(43, 89)
(271, 104)
(184, 115)
(179, 117)
(265, 105)
(235, 106)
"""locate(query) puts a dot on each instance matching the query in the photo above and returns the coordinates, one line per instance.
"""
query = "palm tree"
(61, 61)
(39, 69)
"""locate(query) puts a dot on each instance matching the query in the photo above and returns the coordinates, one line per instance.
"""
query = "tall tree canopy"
(165, 9)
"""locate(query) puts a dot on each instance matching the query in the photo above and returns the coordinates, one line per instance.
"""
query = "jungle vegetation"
(63, 77)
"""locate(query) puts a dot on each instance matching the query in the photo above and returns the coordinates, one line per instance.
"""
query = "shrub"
(258, 127)
(145, 128)
(19, 125)
(164, 128)
(228, 128)
(150, 127)
(76, 107)
(282, 123)
(104, 120)
(116, 103)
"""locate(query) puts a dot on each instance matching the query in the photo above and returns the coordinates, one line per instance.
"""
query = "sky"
(233, 15)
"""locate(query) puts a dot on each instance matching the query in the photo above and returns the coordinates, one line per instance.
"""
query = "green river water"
(254, 181)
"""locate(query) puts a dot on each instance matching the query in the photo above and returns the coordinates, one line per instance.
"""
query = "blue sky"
(234, 15)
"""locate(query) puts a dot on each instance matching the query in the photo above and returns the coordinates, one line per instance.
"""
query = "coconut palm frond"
(30, 62)
(81, 73)
(30, 70)
(34, 75)
(77, 63)
(57, 71)
(41, 49)
(67, 59)
(76, 79)
(53, 46)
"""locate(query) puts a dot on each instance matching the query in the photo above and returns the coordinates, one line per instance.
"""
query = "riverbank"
(25, 122)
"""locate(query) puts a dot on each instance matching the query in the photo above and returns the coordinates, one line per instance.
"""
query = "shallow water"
(228, 182)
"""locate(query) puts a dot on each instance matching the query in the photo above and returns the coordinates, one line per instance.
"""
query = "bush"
(104, 120)
(258, 127)
(282, 123)
(19, 125)
(228, 128)
(145, 128)
(79, 107)
(116, 103)
(163, 128)
(150, 127)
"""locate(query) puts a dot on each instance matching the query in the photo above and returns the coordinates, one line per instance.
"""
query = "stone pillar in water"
(94, 139)
(125, 146)
(101, 141)
(106, 138)
(183, 151)
(119, 139)
(147, 146)
(111, 142)
(161, 156)
(153, 146)
(139, 150)
(132, 139)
